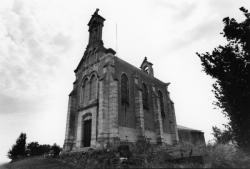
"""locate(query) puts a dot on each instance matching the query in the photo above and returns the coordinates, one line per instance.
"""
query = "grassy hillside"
(215, 156)
(37, 163)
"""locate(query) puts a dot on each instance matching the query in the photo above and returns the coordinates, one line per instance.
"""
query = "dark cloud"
(17, 6)
(222, 7)
(35, 49)
(29, 51)
(181, 9)
(185, 11)
(11, 104)
(27, 26)
(205, 31)
(62, 41)
(164, 4)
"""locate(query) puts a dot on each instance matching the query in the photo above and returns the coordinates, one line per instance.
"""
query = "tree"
(222, 136)
(56, 149)
(18, 149)
(34, 149)
(45, 148)
(229, 65)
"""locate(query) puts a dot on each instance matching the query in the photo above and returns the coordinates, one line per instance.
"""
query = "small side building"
(189, 135)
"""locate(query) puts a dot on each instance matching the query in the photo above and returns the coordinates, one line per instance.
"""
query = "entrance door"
(87, 133)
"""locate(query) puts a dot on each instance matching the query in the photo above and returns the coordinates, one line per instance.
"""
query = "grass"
(142, 155)
(37, 163)
(215, 156)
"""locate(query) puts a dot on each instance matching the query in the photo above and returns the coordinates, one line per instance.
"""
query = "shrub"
(34, 149)
(226, 156)
(56, 149)
(103, 158)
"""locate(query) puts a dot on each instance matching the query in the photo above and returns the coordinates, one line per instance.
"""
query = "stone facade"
(112, 101)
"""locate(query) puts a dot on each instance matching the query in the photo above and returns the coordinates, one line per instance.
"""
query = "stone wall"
(92, 112)
(135, 74)
(194, 137)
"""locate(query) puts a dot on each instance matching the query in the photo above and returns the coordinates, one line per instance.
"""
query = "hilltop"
(37, 163)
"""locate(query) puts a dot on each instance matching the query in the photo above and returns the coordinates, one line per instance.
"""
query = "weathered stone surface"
(113, 120)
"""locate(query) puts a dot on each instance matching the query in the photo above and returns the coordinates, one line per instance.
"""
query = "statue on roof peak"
(96, 11)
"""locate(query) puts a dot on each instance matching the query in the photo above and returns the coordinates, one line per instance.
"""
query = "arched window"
(146, 69)
(80, 94)
(85, 91)
(87, 58)
(161, 104)
(91, 56)
(145, 96)
(93, 87)
(124, 90)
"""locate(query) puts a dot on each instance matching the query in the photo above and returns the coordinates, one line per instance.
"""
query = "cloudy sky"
(41, 43)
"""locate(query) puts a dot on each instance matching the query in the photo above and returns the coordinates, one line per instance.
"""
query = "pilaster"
(101, 113)
(175, 134)
(158, 118)
(70, 124)
(139, 109)
(113, 111)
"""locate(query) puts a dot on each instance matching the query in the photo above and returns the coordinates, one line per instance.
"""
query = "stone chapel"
(113, 101)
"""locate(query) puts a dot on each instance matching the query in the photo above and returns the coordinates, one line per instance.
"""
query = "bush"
(89, 159)
(145, 155)
(225, 156)
(34, 149)
(56, 149)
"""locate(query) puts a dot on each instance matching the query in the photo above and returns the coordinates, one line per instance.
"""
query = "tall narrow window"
(124, 99)
(161, 104)
(87, 59)
(93, 87)
(124, 90)
(85, 91)
(145, 96)
(81, 95)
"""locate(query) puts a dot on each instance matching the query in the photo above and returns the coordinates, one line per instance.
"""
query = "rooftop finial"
(96, 11)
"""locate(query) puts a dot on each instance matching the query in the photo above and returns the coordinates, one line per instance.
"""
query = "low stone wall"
(92, 159)
(131, 135)
(140, 154)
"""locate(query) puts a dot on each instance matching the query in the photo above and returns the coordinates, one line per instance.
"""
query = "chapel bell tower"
(95, 29)
(147, 67)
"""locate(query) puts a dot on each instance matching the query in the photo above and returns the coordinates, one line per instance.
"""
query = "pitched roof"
(139, 71)
(180, 127)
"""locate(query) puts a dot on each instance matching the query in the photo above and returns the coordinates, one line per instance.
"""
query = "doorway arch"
(86, 130)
